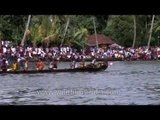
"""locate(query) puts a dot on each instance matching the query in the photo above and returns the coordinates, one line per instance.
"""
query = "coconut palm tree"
(134, 39)
(95, 32)
(66, 28)
(150, 32)
(80, 37)
(45, 29)
(26, 30)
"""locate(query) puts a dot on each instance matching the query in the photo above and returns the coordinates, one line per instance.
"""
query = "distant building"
(103, 40)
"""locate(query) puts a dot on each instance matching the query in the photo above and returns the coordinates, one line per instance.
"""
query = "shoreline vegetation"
(73, 30)
(66, 37)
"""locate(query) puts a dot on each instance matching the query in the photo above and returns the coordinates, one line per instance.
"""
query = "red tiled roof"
(102, 39)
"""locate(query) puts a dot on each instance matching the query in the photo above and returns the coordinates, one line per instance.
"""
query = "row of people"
(52, 66)
(68, 52)
(23, 65)
(83, 64)
(5, 66)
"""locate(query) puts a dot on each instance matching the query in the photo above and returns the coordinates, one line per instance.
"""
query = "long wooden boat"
(86, 69)
(78, 60)
(90, 59)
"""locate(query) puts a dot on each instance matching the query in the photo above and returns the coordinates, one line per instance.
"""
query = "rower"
(15, 66)
(4, 65)
(73, 64)
(40, 65)
(82, 64)
(93, 62)
(55, 64)
(25, 65)
(51, 65)
(21, 63)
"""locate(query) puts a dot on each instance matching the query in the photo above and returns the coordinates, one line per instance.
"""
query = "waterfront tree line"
(73, 30)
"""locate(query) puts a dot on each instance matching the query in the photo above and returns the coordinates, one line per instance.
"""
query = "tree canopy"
(50, 30)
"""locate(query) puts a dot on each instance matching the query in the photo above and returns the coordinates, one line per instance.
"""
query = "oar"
(9, 69)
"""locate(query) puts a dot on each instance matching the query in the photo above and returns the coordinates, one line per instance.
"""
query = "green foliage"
(49, 29)
(118, 26)
(12, 27)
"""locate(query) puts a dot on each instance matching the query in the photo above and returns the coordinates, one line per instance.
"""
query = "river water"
(123, 83)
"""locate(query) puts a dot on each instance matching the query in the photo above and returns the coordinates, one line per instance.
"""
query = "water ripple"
(123, 83)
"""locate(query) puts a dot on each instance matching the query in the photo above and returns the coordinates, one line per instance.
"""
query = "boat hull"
(88, 69)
